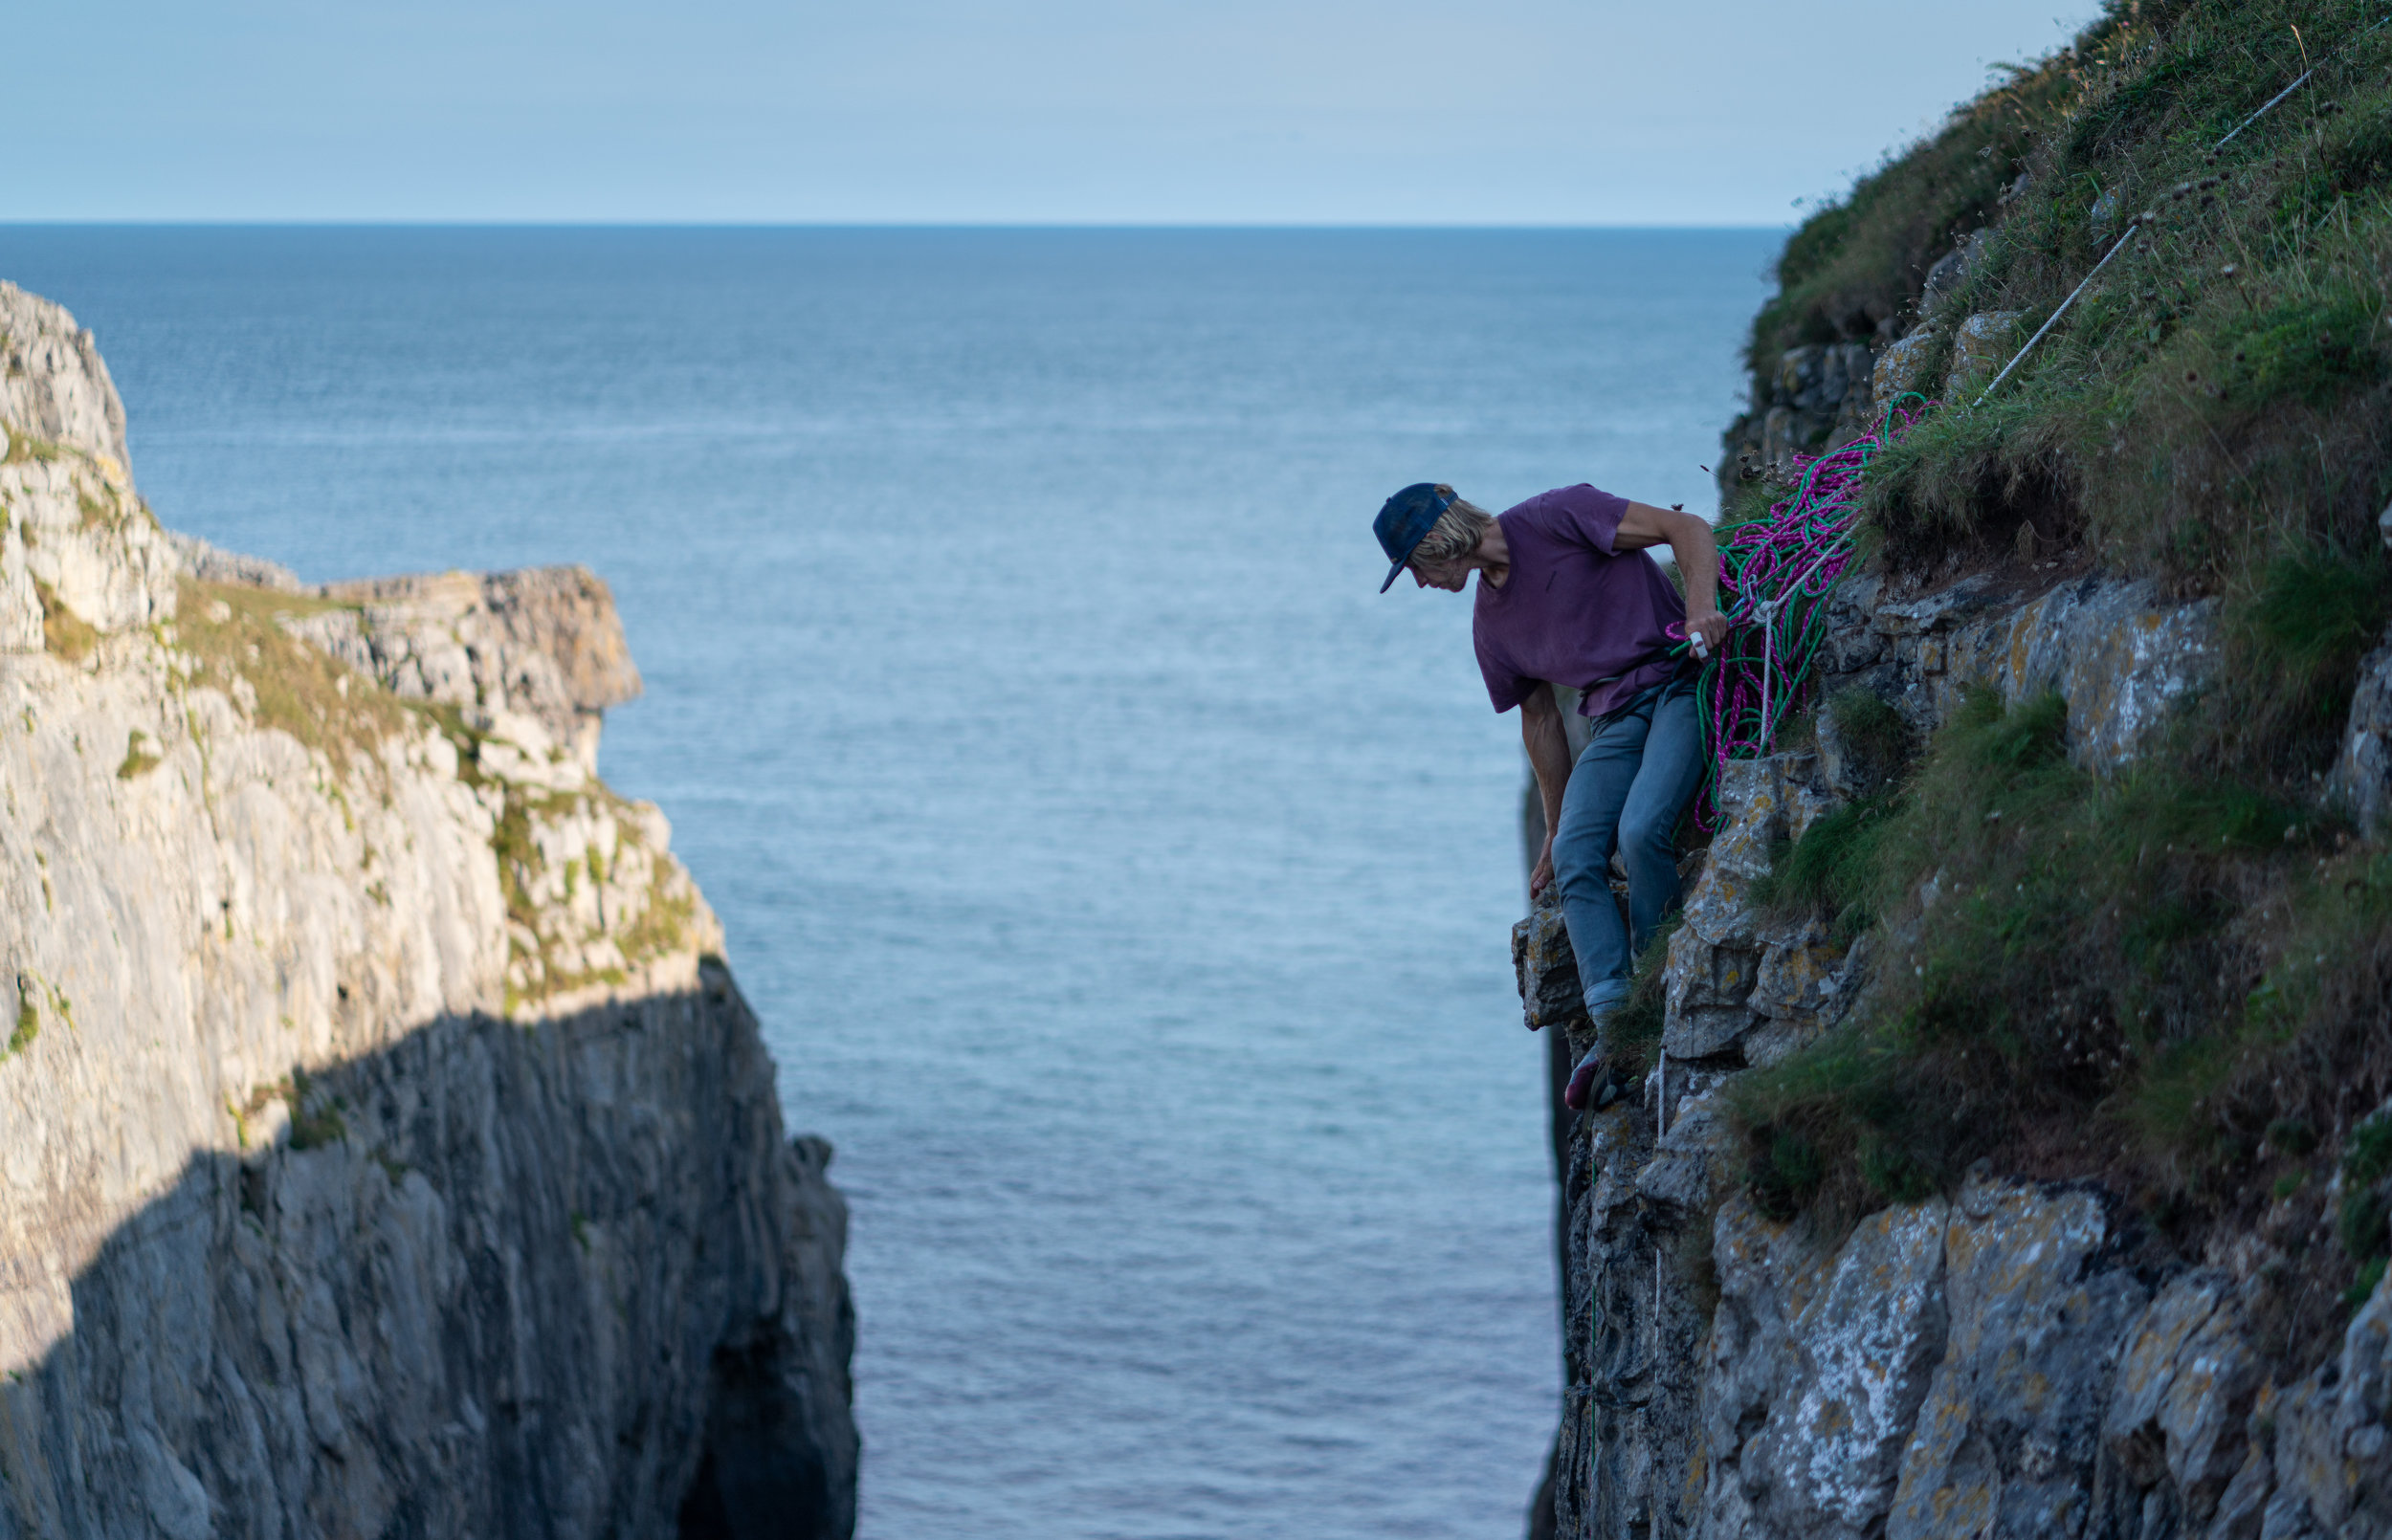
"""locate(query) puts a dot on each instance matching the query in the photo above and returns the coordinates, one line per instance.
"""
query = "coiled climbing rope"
(1776, 576)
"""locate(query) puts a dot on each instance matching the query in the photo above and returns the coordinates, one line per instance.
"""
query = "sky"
(1439, 112)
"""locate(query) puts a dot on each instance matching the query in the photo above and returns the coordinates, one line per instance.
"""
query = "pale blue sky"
(1013, 111)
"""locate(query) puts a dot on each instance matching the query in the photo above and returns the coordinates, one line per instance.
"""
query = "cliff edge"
(2001, 1143)
(388, 1149)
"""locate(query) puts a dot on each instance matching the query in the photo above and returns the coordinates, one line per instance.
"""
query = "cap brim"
(1392, 573)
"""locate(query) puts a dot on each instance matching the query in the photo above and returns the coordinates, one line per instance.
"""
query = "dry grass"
(63, 631)
(234, 634)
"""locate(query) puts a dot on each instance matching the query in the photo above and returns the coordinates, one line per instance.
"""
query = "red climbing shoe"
(1582, 1088)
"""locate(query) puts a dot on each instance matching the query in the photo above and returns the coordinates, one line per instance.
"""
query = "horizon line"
(411, 223)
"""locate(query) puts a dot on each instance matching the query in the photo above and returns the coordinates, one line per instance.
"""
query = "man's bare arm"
(1548, 746)
(1690, 539)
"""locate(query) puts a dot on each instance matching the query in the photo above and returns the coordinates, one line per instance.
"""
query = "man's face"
(1450, 576)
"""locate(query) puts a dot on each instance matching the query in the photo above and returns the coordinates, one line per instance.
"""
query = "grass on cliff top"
(2222, 391)
(299, 688)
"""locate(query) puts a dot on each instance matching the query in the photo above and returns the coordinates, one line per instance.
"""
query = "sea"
(1122, 881)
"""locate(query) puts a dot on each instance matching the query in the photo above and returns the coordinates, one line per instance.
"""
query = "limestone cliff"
(387, 1149)
(2016, 1357)
(2003, 1143)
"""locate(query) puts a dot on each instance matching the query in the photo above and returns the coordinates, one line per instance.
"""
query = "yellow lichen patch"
(232, 632)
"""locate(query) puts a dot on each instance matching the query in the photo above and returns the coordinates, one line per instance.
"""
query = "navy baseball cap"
(1404, 521)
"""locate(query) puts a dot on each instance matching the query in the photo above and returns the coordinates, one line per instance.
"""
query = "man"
(1566, 596)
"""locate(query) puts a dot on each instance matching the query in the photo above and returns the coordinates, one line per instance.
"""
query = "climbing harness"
(1776, 575)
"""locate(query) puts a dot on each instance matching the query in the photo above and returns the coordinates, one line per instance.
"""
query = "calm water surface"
(1122, 882)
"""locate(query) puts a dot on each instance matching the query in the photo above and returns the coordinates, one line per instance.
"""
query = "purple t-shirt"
(1572, 611)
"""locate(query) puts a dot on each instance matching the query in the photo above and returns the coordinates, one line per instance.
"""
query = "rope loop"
(1776, 574)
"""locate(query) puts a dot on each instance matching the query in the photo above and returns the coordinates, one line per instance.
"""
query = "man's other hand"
(1542, 872)
(1709, 625)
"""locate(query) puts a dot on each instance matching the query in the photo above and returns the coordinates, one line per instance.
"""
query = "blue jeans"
(1627, 789)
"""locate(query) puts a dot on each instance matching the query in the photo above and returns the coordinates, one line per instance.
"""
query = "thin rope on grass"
(2131, 226)
(1776, 576)
(2150, 215)
(2298, 81)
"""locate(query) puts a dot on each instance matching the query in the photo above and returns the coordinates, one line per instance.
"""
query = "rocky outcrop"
(1980, 345)
(539, 647)
(2361, 778)
(212, 564)
(388, 1149)
(1819, 394)
(2117, 650)
(2007, 1361)
(54, 388)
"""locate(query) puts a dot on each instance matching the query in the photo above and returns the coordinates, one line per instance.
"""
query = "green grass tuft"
(1830, 870)
(2054, 948)
(28, 1022)
(1873, 733)
(138, 761)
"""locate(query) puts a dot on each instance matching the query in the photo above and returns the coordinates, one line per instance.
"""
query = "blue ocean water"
(1123, 883)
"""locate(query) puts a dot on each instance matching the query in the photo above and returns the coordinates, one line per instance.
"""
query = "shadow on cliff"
(493, 1279)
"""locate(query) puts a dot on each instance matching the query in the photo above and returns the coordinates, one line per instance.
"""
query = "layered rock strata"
(385, 1148)
(2000, 1363)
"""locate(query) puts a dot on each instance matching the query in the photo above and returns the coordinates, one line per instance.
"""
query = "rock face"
(1980, 345)
(1823, 395)
(1820, 394)
(542, 645)
(2361, 779)
(1995, 1364)
(387, 1149)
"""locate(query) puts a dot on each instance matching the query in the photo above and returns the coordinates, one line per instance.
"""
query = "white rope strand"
(2298, 82)
(2272, 100)
(2123, 241)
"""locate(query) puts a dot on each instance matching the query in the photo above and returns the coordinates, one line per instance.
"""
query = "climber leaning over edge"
(1566, 596)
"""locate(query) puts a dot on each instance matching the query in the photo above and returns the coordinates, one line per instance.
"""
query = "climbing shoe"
(1584, 1080)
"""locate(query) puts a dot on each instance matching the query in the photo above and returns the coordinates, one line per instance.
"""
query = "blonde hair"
(1455, 535)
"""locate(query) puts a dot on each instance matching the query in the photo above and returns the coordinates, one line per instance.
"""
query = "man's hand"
(1542, 872)
(1709, 625)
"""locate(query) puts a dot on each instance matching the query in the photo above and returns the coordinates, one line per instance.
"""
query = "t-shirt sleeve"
(1583, 513)
(1505, 688)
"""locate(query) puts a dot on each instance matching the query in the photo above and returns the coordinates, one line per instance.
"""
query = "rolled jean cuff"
(1604, 997)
